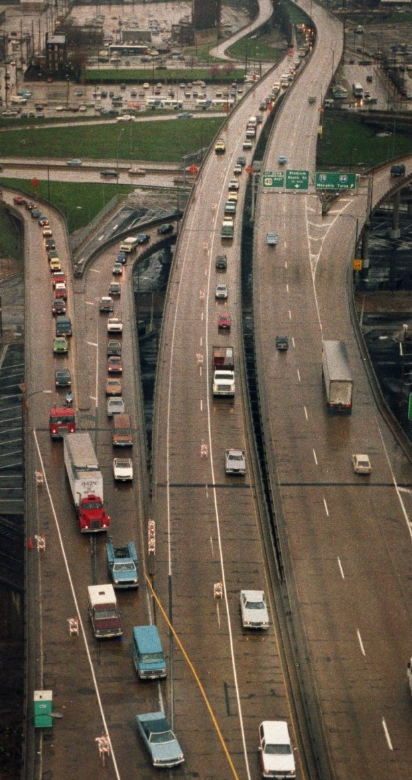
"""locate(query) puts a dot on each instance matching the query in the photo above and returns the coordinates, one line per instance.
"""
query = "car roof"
(253, 595)
(276, 731)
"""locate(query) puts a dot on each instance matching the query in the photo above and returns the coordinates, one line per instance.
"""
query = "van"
(129, 244)
(147, 653)
(19, 99)
(63, 326)
(122, 431)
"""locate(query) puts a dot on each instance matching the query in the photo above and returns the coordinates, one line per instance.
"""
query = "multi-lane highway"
(344, 602)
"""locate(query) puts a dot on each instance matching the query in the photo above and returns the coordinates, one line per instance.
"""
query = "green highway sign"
(335, 181)
(297, 180)
(276, 179)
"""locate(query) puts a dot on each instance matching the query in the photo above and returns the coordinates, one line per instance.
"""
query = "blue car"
(121, 258)
(159, 739)
(282, 160)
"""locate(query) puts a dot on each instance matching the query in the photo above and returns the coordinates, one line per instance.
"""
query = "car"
(47, 232)
(146, 85)
(282, 160)
(164, 229)
(247, 145)
(115, 405)
(29, 205)
(143, 238)
(43, 221)
(233, 185)
(58, 277)
(117, 269)
(232, 197)
(60, 345)
(398, 169)
(235, 461)
(74, 163)
(241, 160)
(35, 213)
(159, 739)
(221, 291)
(220, 146)
(221, 262)
(52, 254)
(272, 239)
(121, 257)
(62, 377)
(19, 201)
(276, 752)
(55, 264)
(361, 464)
(114, 325)
(106, 304)
(282, 343)
(136, 172)
(78, 92)
(114, 364)
(114, 386)
(123, 469)
(114, 348)
(125, 118)
(238, 170)
(115, 288)
(59, 306)
(184, 115)
(224, 322)
(253, 609)
(109, 173)
(60, 291)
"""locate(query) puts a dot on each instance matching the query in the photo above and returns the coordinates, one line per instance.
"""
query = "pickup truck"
(123, 564)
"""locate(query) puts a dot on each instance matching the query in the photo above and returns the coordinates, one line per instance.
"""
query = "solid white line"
(290, 314)
(360, 642)
(341, 569)
(306, 412)
(326, 507)
(76, 605)
(293, 343)
(201, 405)
(388, 739)
(314, 455)
(298, 373)
(287, 288)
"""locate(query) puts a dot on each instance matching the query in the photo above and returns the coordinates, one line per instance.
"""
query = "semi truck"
(337, 377)
(122, 564)
(86, 482)
(62, 421)
(223, 364)
(103, 611)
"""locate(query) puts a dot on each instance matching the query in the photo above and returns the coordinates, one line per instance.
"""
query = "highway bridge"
(331, 551)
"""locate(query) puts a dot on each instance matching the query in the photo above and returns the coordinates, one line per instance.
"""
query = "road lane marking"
(314, 455)
(298, 373)
(293, 342)
(306, 412)
(326, 507)
(386, 732)
(341, 569)
(360, 642)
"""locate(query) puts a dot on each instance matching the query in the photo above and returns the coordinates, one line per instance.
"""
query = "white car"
(361, 464)
(235, 462)
(221, 291)
(233, 185)
(115, 405)
(253, 608)
(123, 469)
(276, 753)
(272, 239)
(114, 325)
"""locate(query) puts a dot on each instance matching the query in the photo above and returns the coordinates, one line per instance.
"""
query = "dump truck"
(103, 611)
(122, 564)
(223, 364)
(337, 377)
(86, 482)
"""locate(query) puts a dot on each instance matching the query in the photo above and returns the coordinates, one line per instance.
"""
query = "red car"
(19, 201)
(224, 322)
(114, 365)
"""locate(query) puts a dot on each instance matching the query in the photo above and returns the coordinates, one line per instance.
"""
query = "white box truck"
(337, 377)
(104, 612)
(129, 244)
(86, 482)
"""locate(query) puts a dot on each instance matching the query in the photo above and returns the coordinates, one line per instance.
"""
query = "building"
(56, 52)
(206, 14)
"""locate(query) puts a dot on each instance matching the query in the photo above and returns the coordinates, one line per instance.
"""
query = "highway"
(346, 543)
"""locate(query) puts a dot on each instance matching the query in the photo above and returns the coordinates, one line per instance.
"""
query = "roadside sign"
(335, 181)
(357, 264)
(297, 180)
(276, 179)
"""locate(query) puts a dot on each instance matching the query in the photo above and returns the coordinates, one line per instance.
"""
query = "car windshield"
(163, 737)
(124, 567)
(149, 657)
(278, 750)
(92, 505)
(106, 614)
(255, 605)
(235, 457)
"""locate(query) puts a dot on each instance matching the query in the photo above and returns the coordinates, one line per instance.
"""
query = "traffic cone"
(30, 543)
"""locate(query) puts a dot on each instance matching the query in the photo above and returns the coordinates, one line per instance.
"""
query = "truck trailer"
(337, 377)
(223, 364)
(86, 482)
